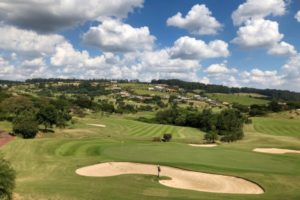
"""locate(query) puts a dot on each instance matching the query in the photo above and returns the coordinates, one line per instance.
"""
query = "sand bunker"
(203, 145)
(275, 150)
(182, 179)
(98, 125)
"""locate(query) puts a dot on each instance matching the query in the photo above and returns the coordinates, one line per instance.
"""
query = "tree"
(14, 106)
(275, 106)
(211, 137)
(47, 116)
(63, 112)
(230, 125)
(25, 125)
(167, 137)
(207, 120)
(7, 180)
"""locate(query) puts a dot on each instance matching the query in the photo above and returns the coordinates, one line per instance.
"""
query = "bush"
(25, 126)
(7, 180)
(167, 137)
(211, 137)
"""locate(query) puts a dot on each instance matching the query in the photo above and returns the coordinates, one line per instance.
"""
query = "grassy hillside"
(283, 124)
(243, 99)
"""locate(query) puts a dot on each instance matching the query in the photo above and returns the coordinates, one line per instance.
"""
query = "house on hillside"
(124, 94)
(3, 85)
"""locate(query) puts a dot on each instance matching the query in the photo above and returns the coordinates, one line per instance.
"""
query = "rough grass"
(238, 98)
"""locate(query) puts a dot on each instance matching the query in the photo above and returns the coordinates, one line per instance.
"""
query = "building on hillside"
(199, 97)
(124, 94)
(159, 88)
(3, 86)
(171, 90)
(226, 103)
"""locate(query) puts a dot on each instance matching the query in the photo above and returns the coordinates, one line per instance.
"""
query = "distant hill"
(272, 94)
(211, 88)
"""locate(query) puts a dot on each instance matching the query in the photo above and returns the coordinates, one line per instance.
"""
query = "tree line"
(27, 113)
(261, 110)
(226, 125)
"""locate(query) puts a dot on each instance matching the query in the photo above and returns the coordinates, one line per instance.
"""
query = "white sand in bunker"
(182, 179)
(203, 145)
(275, 150)
(98, 125)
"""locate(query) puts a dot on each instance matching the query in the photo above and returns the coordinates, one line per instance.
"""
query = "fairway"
(277, 126)
(119, 126)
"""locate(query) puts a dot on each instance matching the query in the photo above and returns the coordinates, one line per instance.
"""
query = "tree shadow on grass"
(46, 130)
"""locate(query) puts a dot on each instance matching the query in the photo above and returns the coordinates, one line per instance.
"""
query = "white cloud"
(114, 36)
(262, 79)
(199, 21)
(257, 9)
(69, 58)
(28, 43)
(258, 33)
(204, 80)
(217, 68)
(282, 48)
(193, 49)
(50, 16)
(6, 69)
(297, 16)
(292, 67)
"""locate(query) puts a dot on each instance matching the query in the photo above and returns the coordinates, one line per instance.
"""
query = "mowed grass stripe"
(274, 126)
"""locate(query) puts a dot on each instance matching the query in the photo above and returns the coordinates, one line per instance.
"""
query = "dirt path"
(182, 179)
(5, 138)
(275, 150)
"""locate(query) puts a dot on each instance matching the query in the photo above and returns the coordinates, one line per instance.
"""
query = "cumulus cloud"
(6, 69)
(204, 80)
(259, 78)
(257, 9)
(115, 36)
(50, 16)
(193, 49)
(217, 69)
(292, 67)
(198, 21)
(69, 58)
(297, 16)
(28, 43)
(258, 33)
(282, 48)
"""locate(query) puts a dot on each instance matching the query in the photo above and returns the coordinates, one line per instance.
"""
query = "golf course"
(46, 166)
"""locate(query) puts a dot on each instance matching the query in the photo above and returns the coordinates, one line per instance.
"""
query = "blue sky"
(238, 43)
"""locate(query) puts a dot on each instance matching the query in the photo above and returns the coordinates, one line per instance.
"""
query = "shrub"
(167, 137)
(26, 126)
(211, 137)
(7, 180)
